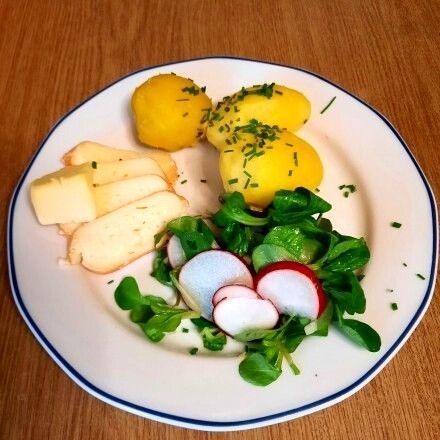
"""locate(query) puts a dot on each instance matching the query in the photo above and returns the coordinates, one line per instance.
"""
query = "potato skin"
(280, 106)
(281, 167)
(166, 115)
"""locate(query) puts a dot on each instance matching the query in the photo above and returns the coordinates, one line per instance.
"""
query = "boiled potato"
(258, 167)
(272, 104)
(170, 112)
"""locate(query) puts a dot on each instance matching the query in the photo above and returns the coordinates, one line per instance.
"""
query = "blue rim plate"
(16, 228)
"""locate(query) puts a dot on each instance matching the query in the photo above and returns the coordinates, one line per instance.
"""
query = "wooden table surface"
(54, 54)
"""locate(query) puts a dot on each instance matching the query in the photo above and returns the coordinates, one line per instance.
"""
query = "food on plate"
(205, 273)
(267, 269)
(236, 315)
(107, 172)
(170, 112)
(265, 160)
(233, 291)
(119, 237)
(302, 281)
(272, 104)
(88, 151)
(50, 194)
(114, 195)
(293, 288)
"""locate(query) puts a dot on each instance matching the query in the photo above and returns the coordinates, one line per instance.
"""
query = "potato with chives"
(266, 160)
(170, 112)
(272, 104)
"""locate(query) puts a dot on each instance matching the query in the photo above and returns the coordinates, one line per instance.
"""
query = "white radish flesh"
(235, 315)
(292, 292)
(204, 274)
(233, 291)
(176, 255)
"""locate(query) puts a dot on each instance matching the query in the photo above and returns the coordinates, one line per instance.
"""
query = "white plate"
(72, 314)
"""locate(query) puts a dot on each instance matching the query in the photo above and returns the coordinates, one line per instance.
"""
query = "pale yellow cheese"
(94, 152)
(124, 169)
(121, 236)
(65, 196)
(116, 194)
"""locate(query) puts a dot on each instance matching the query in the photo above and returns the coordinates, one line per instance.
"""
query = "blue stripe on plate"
(82, 381)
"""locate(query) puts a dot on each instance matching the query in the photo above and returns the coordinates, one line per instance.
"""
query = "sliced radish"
(293, 288)
(176, 254)
(204, 274)
(234, 315)
(233, 291)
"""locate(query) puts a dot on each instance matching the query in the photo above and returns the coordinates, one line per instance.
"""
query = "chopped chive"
(228, 128)
(269, 147)
(203, 89)
(221, 129)
(185, 330)
(254, 185)
(193, 351)
(295, 158)
(405, 265)
(247, 174)
(290, 173)
(328, 105)
(94, 165)
(228, 142)
(203, 180)
(341, 186)
(247, 183)
(236, 110)
(289, 145)
(244, 163)
(346, 194)
(317, 190)
(183, 181)
(420, 276)
(394, 306)
(185, 114)
(191, 90)
(396, 224)
(232, 181)
(228, 151)
(183, 99)
(389, 290)
(110, 282)
(278, 92)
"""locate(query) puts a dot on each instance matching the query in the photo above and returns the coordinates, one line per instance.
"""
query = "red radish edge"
(298, 267)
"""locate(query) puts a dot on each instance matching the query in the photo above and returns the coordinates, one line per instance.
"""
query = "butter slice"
(65, 196)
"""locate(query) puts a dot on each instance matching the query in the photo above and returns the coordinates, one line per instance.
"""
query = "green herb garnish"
(193, 351)
(94, 165)
(394, 306)
(191, 90)
(327, 106)
(396, 225)
(232, 181)
(421, 276)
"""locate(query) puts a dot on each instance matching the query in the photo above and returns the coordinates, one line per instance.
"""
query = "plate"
(72, 314)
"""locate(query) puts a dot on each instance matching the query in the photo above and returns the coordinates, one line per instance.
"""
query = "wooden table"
(54, 54)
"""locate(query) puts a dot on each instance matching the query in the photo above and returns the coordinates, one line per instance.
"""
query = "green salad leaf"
(161, 268)
(193, 233)
(213, 338)
(257, 370)
(291, 206)
(234, 209)
(266, 254)
(152, 313)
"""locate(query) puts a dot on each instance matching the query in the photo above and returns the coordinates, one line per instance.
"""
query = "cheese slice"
(119, 237)
(65, 196)
(94, 152)
(124, 169)
(117, 194)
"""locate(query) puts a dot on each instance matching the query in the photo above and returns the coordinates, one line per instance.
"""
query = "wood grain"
(55, 54)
